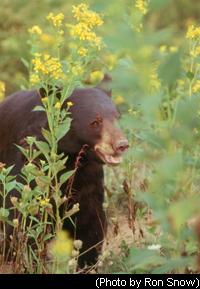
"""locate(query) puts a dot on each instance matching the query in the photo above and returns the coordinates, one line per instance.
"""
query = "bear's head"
(95, 123)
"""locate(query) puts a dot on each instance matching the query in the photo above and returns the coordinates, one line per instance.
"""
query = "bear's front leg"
(89, 225)
(90, 222)
(91, 230)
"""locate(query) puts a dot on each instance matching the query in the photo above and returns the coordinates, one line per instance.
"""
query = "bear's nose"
(121, 145)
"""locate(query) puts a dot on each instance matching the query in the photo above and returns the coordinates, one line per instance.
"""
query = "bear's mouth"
(108, 159)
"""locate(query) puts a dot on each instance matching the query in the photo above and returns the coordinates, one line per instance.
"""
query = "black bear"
(94, 128)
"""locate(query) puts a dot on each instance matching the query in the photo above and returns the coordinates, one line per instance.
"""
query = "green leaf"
(43, 147)
(47, 237)
(10, 186)
(4, 213)
(62, 129)
(66, 176)
(25, 62)
(23, 151)
(45, 179)
(170, 70)
(9, 169)
(47, 136)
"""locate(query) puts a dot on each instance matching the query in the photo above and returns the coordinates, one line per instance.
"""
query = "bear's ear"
(50, 89)
(105, 85)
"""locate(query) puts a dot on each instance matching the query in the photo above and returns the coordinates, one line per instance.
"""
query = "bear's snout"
(121, 146)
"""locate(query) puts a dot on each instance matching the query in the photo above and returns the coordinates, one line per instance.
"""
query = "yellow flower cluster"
(195, 52)
(77, 70)
(47, 38)
(142, 6)
(84, 15)
(193, 32)
(82, 31)
(196, 86)
(35, 30)
(57, 20)
(46, 65)
(62, 246)
(82, 51)
(87, 21)
(34, 78)
(2, 90)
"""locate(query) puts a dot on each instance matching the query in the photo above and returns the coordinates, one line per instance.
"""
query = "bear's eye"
(96, 123)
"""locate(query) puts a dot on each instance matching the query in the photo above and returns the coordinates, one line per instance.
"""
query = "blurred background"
(171, 17)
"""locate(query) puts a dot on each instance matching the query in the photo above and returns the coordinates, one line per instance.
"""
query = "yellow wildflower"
(119, 100)
(142, 6)
(77, 70)
(58, 105)
(110, 60)
(47, 38)
(193, 32)
(96, 76)
(44, 202)
(61, 32)
(62, 246)
(34, 78)
(56, 19)
(47, 65)
(35, 30)
(69, 104)
(163, 48)
(84, 15)
(2, 90)
(82, 51)
(196, 86)
(131, 111)
(173, 48)
(45, 99)
(180, 82)
(82, 31)
(37, 54)
(46, 57)
(195, 52)
(87, 21)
